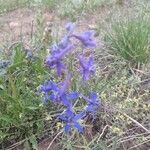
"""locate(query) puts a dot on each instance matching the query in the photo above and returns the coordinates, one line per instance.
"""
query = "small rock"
(14, 25)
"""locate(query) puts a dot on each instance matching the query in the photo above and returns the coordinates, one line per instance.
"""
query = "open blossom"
(58, 92)
(62, 95)
(55, 60)
(71, 120)
(86, 67)
(47, 87)
(92, 102)
(64, 42)
(86, 38)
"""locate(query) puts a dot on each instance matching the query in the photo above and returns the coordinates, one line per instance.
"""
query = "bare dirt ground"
(19, 24)
(15, 24)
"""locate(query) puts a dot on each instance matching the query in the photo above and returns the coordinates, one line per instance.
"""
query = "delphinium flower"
(71, 120)
(86, 67)
(47, 88)
(58, 92)
(86, 38)
(54, 60)
(92, 102)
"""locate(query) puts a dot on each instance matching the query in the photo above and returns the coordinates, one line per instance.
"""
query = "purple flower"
(86, 67)
(93, 102)
(54, 60)
(47, 87)
(54, 49)
(68, 98)
(64, 42)
(71, 120)
(65, 99)
(58, 92)
(86, 38)
(62, 95)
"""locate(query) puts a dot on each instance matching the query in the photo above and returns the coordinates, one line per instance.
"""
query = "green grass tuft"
(73, 9)
(9, 5)
(131, 39)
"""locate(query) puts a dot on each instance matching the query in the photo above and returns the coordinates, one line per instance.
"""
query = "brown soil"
(16, 23)
(45, 144)
(19, 25)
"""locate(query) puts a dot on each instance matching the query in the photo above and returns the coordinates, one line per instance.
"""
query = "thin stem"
(133, 120)
(54, 139)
